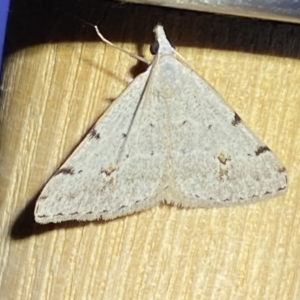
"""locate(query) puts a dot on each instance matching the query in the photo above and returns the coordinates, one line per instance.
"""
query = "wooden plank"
(52, 93)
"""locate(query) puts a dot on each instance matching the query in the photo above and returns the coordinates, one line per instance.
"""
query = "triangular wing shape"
(117, 168)
(213, 158)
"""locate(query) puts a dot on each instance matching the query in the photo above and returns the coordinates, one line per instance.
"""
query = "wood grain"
(59, 78)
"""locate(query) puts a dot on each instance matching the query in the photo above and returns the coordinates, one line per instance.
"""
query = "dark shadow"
(25, 226)
(35, 22)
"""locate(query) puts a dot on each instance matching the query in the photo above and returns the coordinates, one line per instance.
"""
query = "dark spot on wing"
(223, 158)
(236, 120)
(151, 125)
(267, 193)
(43, 216)
(124, 135)
(43, 197)
(121, 207)
(261, 150)
(109, 170)
(209, 126)
(223, 174)
(65, 171)
(282, 170)
(80, 171)
(281, 189)
(94, 134)
(184, 122)
(152, 152)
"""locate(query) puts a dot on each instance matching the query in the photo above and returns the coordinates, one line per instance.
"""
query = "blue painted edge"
(4, 8)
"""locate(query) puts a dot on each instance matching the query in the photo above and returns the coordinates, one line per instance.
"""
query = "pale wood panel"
(53, 92)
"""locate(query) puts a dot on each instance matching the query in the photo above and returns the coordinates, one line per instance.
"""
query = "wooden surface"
(59, 78)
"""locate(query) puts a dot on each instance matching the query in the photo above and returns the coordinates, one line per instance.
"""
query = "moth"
(169, 137)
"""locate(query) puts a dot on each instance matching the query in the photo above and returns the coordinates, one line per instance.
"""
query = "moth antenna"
(119, 48)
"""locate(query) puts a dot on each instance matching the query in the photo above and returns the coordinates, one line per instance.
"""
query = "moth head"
(161, 45)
